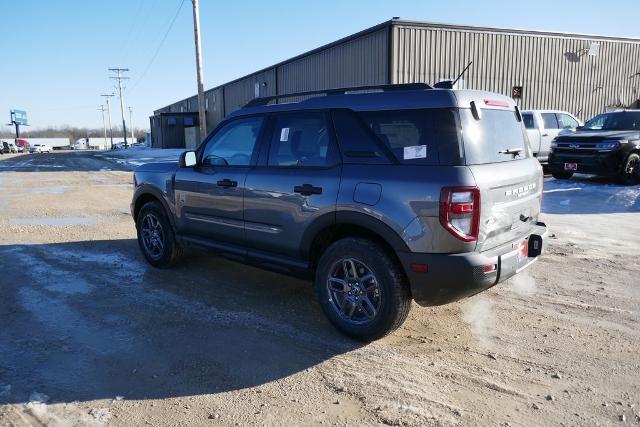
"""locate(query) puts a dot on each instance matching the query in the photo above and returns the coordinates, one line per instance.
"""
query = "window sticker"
(415, 152)
(284, 135)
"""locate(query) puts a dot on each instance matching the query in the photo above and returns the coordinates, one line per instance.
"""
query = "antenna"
(462, 73)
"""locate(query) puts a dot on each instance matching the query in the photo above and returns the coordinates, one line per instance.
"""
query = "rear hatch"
(509, 178)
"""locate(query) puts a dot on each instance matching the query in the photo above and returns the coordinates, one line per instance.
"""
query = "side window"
(550, 121)
(566, 121)
(527, 118)
(234, 143)
(429, 136)
(302, 139)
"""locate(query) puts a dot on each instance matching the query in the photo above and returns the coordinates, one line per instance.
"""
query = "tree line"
(71, 132)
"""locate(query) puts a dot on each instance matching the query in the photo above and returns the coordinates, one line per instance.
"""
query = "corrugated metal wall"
(555, 71)
(358, 62)
(238, 93)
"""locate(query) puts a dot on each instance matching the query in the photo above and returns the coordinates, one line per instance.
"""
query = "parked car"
(376, 196)
(40, 148)
(544, 125)
(607, 145)
(13, 148)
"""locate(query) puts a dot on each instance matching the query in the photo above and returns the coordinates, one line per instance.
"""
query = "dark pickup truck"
(607, 145)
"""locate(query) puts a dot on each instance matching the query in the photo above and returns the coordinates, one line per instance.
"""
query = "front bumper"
(604, 163)
(450, 277)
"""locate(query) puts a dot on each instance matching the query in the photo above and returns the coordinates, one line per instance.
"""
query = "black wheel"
(155, 236)
(561, 175)
(362, 289)
(630, 173)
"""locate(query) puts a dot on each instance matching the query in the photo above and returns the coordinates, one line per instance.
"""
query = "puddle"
(70, 220)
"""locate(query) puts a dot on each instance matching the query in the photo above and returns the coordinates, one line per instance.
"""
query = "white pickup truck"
(544, 125)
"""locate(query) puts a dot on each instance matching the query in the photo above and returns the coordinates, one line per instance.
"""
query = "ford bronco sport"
(380, 197)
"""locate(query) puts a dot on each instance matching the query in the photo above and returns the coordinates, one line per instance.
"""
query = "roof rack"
(257, 102)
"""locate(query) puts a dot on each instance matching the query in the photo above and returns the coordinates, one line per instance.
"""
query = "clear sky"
(54, 55)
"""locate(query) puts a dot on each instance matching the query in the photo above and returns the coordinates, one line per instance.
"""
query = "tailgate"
(510, 197)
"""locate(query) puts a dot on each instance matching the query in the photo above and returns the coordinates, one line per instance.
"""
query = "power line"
(155, 54)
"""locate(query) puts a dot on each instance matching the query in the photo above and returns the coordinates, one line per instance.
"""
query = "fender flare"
(362, 220)
(144, 190)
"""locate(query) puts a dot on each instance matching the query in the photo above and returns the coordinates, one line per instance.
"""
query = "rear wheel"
(155, 236)
(561, 174)
(630, 173)
(362, 289)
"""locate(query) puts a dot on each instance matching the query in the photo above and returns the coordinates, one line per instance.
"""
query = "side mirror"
(187, 159)
(579, 127)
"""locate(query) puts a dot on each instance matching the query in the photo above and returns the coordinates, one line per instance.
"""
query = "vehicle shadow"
(90, 320)
(584, 194)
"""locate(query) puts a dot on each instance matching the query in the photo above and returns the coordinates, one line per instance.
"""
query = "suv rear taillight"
(460, 212)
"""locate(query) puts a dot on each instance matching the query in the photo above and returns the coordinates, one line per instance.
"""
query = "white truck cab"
(543, 126)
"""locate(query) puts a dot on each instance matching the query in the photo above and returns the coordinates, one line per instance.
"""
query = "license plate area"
(571, 166)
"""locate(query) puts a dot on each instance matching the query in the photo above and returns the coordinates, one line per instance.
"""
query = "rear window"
(426, 136)
(493, 138)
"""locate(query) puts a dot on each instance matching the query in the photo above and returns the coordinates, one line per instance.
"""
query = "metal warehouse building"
(582, 74)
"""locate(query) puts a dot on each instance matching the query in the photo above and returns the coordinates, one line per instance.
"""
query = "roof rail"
(257, 102)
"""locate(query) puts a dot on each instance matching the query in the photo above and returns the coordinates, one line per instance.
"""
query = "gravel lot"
(90, 334)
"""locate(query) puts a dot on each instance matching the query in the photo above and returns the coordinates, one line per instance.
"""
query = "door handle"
(227, 183)
(307, 189)
(545, 134)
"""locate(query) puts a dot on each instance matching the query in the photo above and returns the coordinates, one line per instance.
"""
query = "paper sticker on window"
(284, 135)
(415, 152)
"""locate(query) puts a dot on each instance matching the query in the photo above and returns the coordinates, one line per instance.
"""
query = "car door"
(550, 130)
(295, 185)
(209, 196)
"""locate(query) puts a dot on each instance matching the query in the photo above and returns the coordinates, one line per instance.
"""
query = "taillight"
(460, 212)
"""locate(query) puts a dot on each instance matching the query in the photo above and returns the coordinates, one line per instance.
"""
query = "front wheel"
(155, 236)
(561, 175)
(362, 289)
(630, 173)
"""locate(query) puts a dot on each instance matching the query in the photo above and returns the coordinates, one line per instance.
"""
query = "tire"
(630, 173)
(156, 238)
(561, 175)
(383, 300)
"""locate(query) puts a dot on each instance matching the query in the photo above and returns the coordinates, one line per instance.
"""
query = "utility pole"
(110, 127)
(104, 125)
(201, 104)
(119, 77)
(131, 123)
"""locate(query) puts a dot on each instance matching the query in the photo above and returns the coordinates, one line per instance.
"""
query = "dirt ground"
(91, 335)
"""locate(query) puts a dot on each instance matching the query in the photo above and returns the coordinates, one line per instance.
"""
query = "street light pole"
(104, 125)
(201, 103)
(131, 123)
(119, 77)
(109, 110)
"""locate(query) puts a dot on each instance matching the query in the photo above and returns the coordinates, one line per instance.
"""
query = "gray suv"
(380, 195)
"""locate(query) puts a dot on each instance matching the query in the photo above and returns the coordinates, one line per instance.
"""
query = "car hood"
(159, 167)
(595, 135)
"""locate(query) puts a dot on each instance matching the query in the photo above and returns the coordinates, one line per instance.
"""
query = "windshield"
(626, 120)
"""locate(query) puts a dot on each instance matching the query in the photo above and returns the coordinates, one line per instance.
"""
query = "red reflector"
(461, 208)
(419, 268)
(496, 103)
(489, 268)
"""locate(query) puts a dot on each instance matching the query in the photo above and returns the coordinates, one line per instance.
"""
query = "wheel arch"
(148, 194)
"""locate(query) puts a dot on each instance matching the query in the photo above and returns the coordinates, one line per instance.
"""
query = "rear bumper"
(605, 164)
(451, 277)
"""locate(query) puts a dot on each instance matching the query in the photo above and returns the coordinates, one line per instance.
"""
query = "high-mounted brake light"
(460, 212)
(496, 103)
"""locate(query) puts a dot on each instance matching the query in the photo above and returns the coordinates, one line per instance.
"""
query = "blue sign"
(19, 117)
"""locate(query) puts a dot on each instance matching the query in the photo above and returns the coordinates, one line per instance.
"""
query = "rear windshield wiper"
(514, 151)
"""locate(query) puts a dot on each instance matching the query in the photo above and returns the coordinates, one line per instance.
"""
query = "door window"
(567, 122)
(302, 139)
(550, 121)
(234, 144)
(527, 118)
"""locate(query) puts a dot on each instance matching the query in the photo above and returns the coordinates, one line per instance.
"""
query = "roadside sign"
(19, 117)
